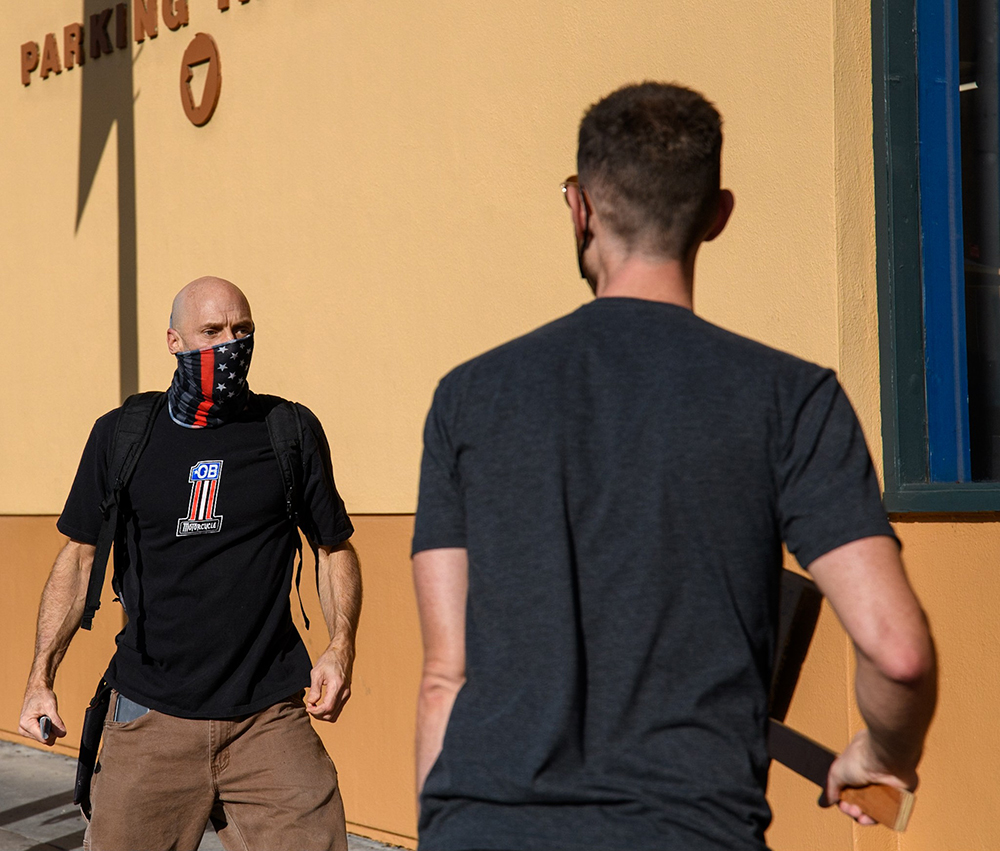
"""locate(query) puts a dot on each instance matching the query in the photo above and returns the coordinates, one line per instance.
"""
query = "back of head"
(649, 158)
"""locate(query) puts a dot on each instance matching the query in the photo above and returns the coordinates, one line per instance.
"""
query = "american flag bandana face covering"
(210, 385)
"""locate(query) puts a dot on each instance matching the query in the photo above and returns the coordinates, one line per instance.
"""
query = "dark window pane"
(980, 74)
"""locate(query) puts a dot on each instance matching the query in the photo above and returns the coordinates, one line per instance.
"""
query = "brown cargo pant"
(265, 780)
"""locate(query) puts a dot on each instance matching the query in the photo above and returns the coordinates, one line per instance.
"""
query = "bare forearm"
(437, 697)
(897, 711)
(340, 595)
(340, 599)
(60, 611)
(441, 581)
(896, 680)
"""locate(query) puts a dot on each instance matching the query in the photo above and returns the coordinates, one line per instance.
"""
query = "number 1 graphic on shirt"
(201, 519)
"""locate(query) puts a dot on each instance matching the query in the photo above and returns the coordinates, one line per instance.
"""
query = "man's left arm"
(340, 599)
(441, 580)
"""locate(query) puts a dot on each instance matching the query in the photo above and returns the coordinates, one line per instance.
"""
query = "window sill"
(943, 498)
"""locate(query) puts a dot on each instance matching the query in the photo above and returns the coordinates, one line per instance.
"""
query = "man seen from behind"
(598, 540)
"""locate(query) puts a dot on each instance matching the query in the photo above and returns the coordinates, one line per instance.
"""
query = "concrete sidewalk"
(37, 811)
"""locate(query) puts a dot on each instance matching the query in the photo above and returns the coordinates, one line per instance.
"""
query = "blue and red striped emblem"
(201, 519)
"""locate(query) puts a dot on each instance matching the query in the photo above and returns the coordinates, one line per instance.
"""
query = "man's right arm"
(896, 679)
(59, 616)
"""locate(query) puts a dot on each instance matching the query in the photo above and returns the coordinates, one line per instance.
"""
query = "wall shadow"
(107, 102)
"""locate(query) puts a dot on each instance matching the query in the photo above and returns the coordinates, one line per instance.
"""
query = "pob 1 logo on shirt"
(201, 519)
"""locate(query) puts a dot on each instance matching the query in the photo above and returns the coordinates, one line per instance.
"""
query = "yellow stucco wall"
(383, 183)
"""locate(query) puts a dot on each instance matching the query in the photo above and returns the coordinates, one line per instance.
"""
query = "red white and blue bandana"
(210, 385)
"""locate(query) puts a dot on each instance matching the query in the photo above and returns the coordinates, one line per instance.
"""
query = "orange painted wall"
(952, 566)
(372, 743)
(28, 546)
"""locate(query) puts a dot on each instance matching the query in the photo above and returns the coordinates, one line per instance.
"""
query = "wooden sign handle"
(886, 804)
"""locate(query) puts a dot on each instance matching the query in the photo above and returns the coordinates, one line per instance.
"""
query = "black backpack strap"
(284, 427)
(135, 423)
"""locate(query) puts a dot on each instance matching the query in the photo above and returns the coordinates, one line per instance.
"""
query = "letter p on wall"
(29, 60)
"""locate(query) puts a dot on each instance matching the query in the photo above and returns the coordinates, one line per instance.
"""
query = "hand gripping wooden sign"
(798, 612)
(107, 30)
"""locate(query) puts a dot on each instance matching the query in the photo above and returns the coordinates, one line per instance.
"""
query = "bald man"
(210, 690)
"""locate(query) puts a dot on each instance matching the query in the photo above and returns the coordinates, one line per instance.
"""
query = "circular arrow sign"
(201, 49)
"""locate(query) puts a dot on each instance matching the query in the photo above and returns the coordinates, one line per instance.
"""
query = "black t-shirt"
(623, 479)
(211, 551)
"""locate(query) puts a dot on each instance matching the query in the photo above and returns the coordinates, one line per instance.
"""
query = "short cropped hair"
(649, 156)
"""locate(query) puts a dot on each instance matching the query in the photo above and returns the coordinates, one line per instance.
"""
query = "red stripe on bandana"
(207, 377)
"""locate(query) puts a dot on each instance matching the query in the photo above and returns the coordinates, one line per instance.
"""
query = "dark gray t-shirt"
(623, 479)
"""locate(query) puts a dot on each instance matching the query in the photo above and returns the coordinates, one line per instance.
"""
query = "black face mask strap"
(586, 234)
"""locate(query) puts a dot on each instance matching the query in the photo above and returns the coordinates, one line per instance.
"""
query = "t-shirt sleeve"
(828, 492)
(325, 516)
(440, 520)
(81, 517)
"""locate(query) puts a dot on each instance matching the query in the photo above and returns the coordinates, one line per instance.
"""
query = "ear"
(726, 204)
(578, 211)
(174, 342)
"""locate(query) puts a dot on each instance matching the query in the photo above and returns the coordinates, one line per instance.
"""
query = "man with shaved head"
(209, 693)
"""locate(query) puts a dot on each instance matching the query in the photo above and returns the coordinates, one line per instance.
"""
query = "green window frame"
(925, 426)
